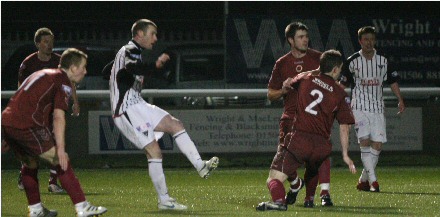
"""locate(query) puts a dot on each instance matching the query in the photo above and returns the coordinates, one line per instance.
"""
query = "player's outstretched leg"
(208, 167)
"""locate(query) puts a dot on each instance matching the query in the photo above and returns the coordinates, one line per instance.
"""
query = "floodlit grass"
(405, 191)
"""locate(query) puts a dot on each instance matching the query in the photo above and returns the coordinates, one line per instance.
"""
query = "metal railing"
(410, 93)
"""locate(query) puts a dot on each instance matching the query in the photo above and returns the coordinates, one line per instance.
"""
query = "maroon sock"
(70, 184)
(324, 171)
(53, 175)
(277, 191)
(30, 183)
(324, 192)
(311, 179)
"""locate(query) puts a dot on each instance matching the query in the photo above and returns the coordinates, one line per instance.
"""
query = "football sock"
(295, 185)
(53, 175)
(311, 183)
(368, 165)
(374, 156)
(30, 183)
(325, 188)
(324, 192)
(155, 170)
(277, 191)
(70, 184)
(324, 173)
(187, 147)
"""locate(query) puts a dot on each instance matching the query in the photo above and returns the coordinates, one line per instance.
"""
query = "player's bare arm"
(59, 127)
(344, 130)
(273, 94)
(396, 90)
(75, 106)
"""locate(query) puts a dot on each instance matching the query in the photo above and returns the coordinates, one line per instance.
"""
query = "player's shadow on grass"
(65, 193)
(354, 210)
(412, 193)
(188, 213)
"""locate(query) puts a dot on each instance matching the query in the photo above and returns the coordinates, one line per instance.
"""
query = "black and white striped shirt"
(367, 78)
(127, 77)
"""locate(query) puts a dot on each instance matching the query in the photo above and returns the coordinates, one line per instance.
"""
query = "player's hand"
(350, 164)
(401, 107)
(287, 85)
(75, 109)
(63, 159)
(162, 60)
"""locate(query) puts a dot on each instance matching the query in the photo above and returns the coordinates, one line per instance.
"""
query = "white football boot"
(171, 204)
(208, 167)
(90, 210)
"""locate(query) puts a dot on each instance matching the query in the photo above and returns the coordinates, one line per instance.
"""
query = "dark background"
(114, 10)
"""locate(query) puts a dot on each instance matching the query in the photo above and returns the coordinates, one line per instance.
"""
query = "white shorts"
(370, 126)
(138, 123)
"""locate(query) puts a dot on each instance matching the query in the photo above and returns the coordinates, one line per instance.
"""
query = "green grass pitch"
(405, 191)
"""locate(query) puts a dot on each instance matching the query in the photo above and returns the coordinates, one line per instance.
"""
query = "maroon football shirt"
(289, 66)
(321, 100)
(32, 64)
(33, 103)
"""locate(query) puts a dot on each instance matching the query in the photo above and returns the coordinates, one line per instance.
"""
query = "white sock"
(80, 206)
(36, 206)
(368, 165)
(325, 186)
(374, 156)
(155, 170)
(187, 147)
(293, 183)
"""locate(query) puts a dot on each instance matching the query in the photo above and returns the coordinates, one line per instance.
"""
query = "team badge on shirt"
(299, 68)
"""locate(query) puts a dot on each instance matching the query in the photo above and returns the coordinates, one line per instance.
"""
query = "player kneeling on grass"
(33, 125)
(320, 102)
(143, 123)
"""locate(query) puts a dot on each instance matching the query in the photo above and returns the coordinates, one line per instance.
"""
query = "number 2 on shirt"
(309, 108)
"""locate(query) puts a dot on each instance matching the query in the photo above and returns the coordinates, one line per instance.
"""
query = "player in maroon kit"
(33, 124)
(300, 59)
(320, 101)
(44, 58)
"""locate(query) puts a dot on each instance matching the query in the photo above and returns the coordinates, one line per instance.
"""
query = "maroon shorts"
(300, 148)
(29, 142)
(285, 127)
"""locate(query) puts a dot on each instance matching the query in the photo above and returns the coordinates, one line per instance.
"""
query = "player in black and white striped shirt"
(142, 123)
(366, 71)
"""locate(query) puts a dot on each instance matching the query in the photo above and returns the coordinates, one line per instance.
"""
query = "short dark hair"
(291, 29)
(329, 59)
(366, 30)
(40, 33)
(71, 56)
(141, 24)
